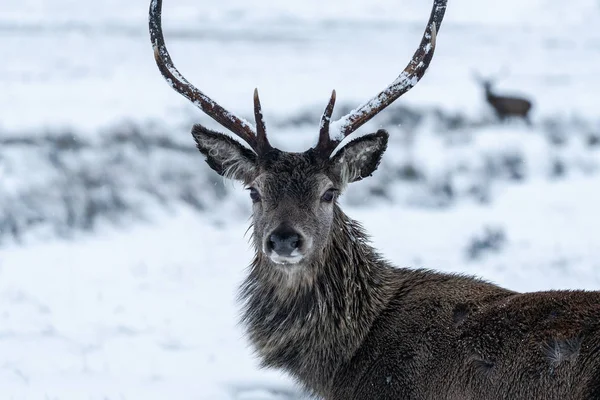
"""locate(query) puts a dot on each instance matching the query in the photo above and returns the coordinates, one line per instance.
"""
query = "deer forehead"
(297, 183)
(291, 171)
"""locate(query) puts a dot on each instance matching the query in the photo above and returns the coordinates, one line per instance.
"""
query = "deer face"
(293, 194)
(293, 199)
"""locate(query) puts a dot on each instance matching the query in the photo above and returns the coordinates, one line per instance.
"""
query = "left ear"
(360, 157)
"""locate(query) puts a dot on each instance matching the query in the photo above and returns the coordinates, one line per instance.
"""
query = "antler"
(324, 139)
(331, 135)
(239, 126)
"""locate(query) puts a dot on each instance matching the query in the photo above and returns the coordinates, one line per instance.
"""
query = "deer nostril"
(284, 241)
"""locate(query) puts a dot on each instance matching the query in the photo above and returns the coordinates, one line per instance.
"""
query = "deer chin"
(293, 259)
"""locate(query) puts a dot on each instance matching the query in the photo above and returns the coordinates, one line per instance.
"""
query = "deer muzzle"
(286, 245)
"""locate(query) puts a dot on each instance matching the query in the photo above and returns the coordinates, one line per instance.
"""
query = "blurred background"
(121, 251)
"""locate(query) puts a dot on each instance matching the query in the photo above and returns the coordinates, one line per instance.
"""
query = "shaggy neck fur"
(310, 319)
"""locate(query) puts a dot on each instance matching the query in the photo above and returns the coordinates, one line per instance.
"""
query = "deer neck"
(489, 95)
(311, 320)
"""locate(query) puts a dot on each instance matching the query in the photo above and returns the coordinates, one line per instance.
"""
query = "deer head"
(294, 194)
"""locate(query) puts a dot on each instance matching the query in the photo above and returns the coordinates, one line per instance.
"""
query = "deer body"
(321, 304)
(426, 345)
(363, 329)
(507, 106)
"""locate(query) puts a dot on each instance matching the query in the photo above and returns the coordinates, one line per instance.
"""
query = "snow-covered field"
(120, 252)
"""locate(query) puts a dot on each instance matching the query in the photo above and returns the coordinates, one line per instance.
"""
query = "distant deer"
(505, 106)
(323, 305)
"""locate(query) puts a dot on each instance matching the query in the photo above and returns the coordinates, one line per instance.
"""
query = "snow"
(144, 308)
(144, 313)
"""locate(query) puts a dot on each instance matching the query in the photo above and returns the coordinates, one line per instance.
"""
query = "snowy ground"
(144, 309)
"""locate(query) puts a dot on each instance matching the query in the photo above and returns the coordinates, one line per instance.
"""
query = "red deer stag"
(323, 305)
(505, 106)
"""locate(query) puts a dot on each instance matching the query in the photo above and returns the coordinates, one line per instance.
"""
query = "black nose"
(284, 240)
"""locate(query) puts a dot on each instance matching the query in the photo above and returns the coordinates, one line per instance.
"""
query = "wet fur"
(299, 322)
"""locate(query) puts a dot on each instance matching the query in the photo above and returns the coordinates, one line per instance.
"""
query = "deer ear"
(360, 157)
(225, 155)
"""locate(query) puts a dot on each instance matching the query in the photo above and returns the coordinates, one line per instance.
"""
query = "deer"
(505, 106)
(322, 304)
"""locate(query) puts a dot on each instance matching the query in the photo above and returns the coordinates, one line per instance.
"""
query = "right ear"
(360, 157)
(226, 156)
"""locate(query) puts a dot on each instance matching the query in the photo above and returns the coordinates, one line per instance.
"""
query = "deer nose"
(284, 240)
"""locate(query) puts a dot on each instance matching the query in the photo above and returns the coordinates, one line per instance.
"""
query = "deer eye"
(254, 195)
(329, 195)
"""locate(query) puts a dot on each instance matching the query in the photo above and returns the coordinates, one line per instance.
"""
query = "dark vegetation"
(61, 182)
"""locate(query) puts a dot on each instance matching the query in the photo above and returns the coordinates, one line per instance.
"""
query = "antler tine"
(163, 60)
(324, 140)
(261, 130)
(413, 72)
